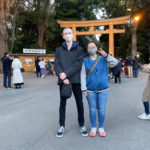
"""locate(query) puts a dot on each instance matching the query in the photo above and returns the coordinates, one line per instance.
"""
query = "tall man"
(68, 63)
(6, 61)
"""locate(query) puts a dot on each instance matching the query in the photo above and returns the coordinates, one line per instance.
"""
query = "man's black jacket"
(69, 61)
(6, 61)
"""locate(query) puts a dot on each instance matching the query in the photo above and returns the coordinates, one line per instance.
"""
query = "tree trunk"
(14, 23)
(134, 40)
(3, 33)
(13, 32)
(41, 32)
(4, 13)
(42, 27)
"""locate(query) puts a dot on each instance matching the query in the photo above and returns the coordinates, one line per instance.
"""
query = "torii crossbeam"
(94, 23)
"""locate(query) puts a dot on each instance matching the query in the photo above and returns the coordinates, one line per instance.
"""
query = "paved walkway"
(29, 118)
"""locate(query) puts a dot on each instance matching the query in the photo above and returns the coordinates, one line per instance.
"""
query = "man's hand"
(62, 76)
(66, 81)
(102, 52)
(85, 94)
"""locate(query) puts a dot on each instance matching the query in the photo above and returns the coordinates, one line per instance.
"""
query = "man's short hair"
(6, 53)
(67, 29)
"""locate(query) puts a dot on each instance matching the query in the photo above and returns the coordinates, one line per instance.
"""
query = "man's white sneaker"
(83, 131)
(143, 116)
(148, 116)
(60, 132)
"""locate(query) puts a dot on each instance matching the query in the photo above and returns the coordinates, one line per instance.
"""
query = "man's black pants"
(38, 71)
(76, 88)
(118, 77)
(7, 77)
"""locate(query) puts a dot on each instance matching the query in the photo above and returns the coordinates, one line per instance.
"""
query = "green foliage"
(118, 8)
(26, 32)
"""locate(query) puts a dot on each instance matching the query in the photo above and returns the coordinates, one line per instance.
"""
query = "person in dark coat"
(117, 72)
(129, 63)
(37, 66)
(125, 67)
(67, 65)
(6, 61)
(135, 67)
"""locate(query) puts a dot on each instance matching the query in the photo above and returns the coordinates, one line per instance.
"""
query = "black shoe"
(5, 87)
(9, 88)
(83, 131)
(60, 132)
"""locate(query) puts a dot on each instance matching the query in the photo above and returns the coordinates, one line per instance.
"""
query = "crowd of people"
(43, 69)
(12, 68)
(129, 66)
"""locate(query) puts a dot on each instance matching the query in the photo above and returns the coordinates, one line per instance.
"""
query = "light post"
(134, 24)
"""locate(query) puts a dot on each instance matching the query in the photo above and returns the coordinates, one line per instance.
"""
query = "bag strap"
(93, 66)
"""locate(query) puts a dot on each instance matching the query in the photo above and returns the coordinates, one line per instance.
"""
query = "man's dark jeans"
(146, 107)
(76, 88)
(118, 77)
(38, 71)
(7, 77)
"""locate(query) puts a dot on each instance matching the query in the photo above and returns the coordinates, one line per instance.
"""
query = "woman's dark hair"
(91, 42)
(16, 57)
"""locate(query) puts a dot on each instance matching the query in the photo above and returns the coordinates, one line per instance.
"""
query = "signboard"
(34, 51)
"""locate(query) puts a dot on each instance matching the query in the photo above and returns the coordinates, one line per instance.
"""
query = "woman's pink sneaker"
(93, 132)
(102, 133)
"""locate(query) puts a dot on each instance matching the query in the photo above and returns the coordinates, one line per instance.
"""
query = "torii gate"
(94, 23)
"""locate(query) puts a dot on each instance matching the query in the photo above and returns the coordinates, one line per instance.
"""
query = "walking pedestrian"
(95, 84)
(125, 67)
(67, 65)
(42, 68)
(117, 71)
(135, 67)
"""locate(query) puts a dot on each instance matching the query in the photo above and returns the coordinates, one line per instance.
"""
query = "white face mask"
(68, 37)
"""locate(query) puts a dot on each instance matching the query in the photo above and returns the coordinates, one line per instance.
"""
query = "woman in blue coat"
(95, 84)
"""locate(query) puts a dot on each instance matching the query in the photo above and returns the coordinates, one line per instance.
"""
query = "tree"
(72, 10)
(5, 6)
(43, 9)
(117, 8)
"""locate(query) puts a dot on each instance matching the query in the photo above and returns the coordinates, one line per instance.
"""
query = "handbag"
(66, 91)
(22, 70)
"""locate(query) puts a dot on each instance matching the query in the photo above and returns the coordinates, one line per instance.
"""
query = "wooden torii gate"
(94, 23)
